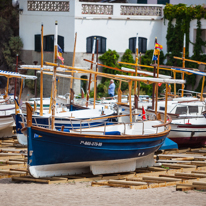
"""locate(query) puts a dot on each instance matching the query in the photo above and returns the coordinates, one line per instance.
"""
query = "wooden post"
(16, 78)
(97, 49)
(54, 77)
(174, 72)
(136, 62)
(95, 88)
(51, 97)
(7, 88)
(165, 117)
(156, 99)
(203, 82)
(183, 63)
(73, 60)
(41, 74)
(29, 111)
(119, 95)
(90, 75)
(154, 72)
(21, 88)
(130, 102)
(139, 82)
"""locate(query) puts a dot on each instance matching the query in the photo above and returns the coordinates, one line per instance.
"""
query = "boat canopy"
(16, 75)
(190, 71)
(151, 80)
(57, 74)
(146, 73)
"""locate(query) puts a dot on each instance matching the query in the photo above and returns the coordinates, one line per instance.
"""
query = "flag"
(143, 114)
(158, 46)
(159, 84)
(59, 54)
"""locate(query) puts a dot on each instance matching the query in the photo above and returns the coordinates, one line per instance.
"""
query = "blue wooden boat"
(70, 120)
(104, 149)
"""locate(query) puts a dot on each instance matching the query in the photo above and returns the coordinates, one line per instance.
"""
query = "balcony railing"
(141, 10)
(57, 6)
(97, 9)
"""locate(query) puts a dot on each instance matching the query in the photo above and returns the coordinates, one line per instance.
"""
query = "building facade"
(114, 24)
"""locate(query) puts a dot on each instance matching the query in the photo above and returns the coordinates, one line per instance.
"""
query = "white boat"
(190, 132)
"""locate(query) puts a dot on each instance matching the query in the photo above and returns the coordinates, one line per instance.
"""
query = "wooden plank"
(186, 187)
(191, 174)
(54, 180)
(123, 182)
(3, 167)
(201, 172)
(163, 179)
(178, 165)
(28, 179)
(178, 176)
(12, 172)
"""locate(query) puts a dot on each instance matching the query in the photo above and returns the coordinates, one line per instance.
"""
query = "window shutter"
(89, 45)
(142, 1)
(61, 42)
(37, 42)
(104, 46)
(140, 44)
(132, 44)
(163, 1)
(144, 45)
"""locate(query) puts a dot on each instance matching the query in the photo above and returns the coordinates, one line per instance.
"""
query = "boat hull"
(192, 133)
(60, 153)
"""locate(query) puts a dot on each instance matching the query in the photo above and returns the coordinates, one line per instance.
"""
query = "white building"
(114, 24)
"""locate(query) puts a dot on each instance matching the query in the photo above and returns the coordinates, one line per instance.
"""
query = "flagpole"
(73, 60)
(54, 77)
(157, 83)
(153, 90)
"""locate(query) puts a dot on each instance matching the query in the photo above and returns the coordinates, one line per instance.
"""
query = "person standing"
(111, 88)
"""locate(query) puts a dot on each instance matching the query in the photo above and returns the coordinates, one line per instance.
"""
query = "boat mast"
(136, 62)
(41, 75)
(90, 75)
(165, 117)
(73, 61)
(156, 99)
(183, 63)
(54, 78)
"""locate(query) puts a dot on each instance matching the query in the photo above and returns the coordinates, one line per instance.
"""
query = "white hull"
(97, 167)
(22, 139)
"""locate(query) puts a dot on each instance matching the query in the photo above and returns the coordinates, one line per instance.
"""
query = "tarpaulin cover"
(168, 144)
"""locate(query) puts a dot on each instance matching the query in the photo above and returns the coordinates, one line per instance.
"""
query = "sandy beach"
(83, 193)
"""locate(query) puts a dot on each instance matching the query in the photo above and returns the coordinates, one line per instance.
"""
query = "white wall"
(118, 29)
(30, 24)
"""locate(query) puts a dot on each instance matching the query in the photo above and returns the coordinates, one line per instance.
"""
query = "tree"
(10, 42)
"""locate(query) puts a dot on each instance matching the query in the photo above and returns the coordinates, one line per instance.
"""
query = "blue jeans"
(111, 95)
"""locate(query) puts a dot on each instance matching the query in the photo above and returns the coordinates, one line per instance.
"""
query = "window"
(101, 44)
(163, 1)
(142, 1)
(142, 45)
(181, 110)
(48, 42)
